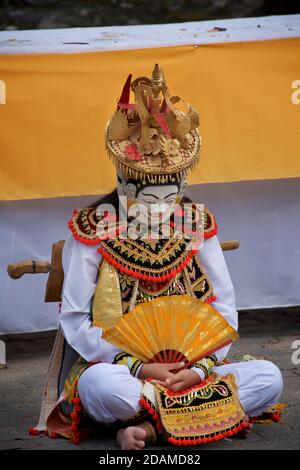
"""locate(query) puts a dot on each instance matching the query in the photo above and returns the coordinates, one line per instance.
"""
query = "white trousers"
(109, 393)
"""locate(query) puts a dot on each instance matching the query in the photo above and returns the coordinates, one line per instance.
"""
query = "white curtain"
(262, 215)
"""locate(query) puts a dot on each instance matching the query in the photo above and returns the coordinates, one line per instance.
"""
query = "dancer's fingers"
(175, 366)
(160, 382)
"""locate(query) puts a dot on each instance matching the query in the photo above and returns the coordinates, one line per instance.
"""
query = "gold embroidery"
(107, 305)
(138, 255)
(205, 411)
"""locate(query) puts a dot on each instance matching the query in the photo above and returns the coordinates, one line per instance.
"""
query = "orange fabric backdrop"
(57, 105)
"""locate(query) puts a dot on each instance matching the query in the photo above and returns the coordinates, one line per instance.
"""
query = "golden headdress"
(151, 139)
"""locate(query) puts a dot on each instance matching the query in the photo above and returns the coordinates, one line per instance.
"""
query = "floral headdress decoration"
(152, 140)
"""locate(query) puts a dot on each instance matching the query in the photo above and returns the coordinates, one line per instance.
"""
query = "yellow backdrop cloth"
(57, 105)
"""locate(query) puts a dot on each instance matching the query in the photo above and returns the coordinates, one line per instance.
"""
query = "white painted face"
(160, 197)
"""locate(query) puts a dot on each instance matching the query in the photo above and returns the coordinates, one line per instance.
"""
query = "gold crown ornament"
(152, 140)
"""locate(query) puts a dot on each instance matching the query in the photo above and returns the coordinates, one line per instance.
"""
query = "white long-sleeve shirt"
(81, 267)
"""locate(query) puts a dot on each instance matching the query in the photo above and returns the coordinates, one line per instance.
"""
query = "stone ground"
(266, 334)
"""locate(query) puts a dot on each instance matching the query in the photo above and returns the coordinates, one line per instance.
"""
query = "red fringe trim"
(35, 432)
(97, 240)
(212, 232)
(131, 272)
(86, 241)
(146, 405)
(76, 434)
(276, 417)
(211, 299)
(76, 420)
(204, 440)
(145, 277)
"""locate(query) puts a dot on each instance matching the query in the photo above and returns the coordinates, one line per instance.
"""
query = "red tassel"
(33, 431)
(212, 232)
(80, 238)
(139, 275)
(276, 417)
(211, 299)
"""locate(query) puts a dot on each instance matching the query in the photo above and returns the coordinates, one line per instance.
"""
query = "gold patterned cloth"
(204, 413)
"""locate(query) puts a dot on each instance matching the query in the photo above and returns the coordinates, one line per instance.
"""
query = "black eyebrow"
(156, 197)
(147, 194)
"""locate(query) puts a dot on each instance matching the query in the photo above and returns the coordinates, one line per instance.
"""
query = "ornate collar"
(152, 260)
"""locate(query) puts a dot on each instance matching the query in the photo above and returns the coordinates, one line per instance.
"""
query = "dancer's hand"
(159, 371)
(183, 379)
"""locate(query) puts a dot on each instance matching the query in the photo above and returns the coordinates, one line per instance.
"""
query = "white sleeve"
(212, 261)
(81, 267)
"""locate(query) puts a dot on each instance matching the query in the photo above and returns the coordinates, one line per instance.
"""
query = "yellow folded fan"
(171, 329)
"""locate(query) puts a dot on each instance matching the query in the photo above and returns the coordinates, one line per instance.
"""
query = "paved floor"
(265, 334)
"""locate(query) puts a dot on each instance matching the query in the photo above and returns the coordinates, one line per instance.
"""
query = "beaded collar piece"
(149, 260)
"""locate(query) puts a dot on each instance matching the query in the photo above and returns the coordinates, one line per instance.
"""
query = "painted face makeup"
(152, 203)
(160, 197)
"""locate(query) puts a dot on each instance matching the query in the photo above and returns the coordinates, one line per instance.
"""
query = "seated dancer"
(153, 145)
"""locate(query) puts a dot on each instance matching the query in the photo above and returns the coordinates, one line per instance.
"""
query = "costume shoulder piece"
(83, 225)
(210, 224)
(154, 260)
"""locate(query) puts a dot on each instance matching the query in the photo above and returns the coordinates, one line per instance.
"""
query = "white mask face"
(157, 199)
(162, 196)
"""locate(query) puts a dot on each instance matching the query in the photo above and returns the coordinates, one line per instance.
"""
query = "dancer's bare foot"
(131, 438)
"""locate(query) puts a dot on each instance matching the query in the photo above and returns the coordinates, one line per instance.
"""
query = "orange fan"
(171, 329)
